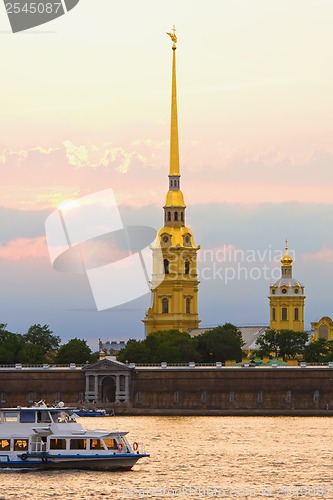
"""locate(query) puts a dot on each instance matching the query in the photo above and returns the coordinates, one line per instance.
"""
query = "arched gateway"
(107, 382)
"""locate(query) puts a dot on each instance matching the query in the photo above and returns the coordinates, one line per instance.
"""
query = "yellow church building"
(174, 282)
(322, 329)
(286, 299)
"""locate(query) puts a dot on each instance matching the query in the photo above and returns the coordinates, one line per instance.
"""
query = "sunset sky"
(85, 106)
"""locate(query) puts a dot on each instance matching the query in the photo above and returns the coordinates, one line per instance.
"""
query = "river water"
(199, 458)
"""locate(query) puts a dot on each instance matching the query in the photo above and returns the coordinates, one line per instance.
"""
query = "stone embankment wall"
(184, 390)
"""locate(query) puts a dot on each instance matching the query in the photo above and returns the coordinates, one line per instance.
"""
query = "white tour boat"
(45, 437)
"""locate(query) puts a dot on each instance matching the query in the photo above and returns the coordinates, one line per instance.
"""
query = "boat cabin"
(47, 429)
(36, 415)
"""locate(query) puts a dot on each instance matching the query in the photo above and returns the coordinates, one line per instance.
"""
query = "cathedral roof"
(287, 286)
(287, 282)
(177, 235)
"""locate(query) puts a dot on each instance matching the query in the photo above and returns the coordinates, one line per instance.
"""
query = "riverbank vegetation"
(39, 345)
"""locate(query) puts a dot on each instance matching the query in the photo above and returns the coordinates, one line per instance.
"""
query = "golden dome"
(174, 199)
(286, 259)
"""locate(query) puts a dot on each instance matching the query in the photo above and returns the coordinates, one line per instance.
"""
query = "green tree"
(171, 346)
(75, 351)
(136, 351)
(329, 354)
(291, 343)
(31, 354)
(268, 343)
(10, 345)
(43, 337)
(220, 344)
(317, 351)
(284, 343)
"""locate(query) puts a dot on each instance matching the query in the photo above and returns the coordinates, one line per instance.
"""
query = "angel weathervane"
(173, 36)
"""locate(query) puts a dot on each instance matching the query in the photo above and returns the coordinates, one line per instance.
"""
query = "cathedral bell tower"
(286, 299)
(175, 279)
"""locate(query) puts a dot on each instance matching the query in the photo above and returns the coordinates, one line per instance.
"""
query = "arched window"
(296, 314)
(182, 216)
(176, 215)
(273, 314)
(169, 216)
(323, 332)
(166, 266)
(188, 306)
(187, 266)
(165, 306)
(171, 183)
(284, 314)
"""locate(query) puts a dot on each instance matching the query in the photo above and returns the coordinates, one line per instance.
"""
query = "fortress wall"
(187, 389)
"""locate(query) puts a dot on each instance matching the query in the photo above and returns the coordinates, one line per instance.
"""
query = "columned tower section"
(175, 278)
(286, 299)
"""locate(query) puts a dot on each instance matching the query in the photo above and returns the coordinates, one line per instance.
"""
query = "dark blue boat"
(94, 413)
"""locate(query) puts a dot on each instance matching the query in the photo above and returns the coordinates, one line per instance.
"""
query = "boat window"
(65, 417)
(56, 416)
(124, 443)
(57, 444)
(110, 444)
(9, 416)
(20, 444)
(96, 444)
(43, 416)
(27, 416)
(78, 444)
(4, 444)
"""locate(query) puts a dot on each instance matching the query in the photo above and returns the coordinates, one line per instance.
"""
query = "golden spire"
(174, 148)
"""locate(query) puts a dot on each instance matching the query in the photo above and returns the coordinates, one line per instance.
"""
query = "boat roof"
(39, 408)
(87, 434)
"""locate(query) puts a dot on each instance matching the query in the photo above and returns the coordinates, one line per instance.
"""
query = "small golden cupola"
(287, 298)
(175, 292)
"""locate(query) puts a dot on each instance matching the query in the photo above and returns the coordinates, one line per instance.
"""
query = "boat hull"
(110, 463)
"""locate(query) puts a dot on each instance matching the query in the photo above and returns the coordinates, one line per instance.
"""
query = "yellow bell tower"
(287, 299)
(175, 278)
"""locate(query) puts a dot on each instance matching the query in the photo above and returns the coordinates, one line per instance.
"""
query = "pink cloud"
(323, 255)
(24, 248)
(137, 171)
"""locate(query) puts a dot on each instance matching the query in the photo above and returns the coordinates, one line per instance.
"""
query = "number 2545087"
(33, 7)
